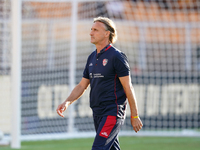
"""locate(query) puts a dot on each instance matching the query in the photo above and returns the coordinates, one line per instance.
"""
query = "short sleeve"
(121, 65)
(85, 72)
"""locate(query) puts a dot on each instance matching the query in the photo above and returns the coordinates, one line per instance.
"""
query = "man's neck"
(99, 47)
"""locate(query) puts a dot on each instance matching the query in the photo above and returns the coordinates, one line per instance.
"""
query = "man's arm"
(75, 94)
(128, 88)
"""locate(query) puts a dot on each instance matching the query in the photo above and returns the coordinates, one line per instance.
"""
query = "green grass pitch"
(127, 143)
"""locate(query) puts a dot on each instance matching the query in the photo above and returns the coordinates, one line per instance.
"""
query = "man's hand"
(61, 108)
(137, 124)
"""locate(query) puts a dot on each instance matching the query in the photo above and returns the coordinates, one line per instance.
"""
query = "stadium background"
(161, 39)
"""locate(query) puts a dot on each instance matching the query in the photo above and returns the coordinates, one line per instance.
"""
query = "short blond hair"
(110, 26)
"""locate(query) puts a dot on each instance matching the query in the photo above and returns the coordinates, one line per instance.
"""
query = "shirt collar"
(105, 48)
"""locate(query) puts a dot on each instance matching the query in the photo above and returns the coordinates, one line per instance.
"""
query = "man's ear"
(107, 33)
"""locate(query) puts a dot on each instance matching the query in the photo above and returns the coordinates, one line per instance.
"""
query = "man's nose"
(91, 33)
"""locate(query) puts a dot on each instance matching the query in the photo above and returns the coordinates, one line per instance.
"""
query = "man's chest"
(101, 67)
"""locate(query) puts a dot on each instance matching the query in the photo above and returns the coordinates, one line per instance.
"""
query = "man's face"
(98, 33)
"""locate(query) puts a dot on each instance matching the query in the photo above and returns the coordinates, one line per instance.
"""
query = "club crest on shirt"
(105, 61)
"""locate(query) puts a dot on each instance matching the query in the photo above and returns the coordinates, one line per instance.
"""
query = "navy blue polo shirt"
(107, 96)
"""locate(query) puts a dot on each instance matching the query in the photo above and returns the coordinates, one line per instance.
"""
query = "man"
(108, 74)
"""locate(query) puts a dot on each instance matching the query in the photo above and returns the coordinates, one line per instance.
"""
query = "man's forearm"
(75, 94)
(132, 102)
(130, 94)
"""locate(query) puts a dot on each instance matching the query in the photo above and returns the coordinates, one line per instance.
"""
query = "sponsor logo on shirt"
(90, 75)
(98, 75)
(105, 61)
(90, 64)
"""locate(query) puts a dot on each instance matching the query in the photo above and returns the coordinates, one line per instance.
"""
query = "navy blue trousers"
(107, 129)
